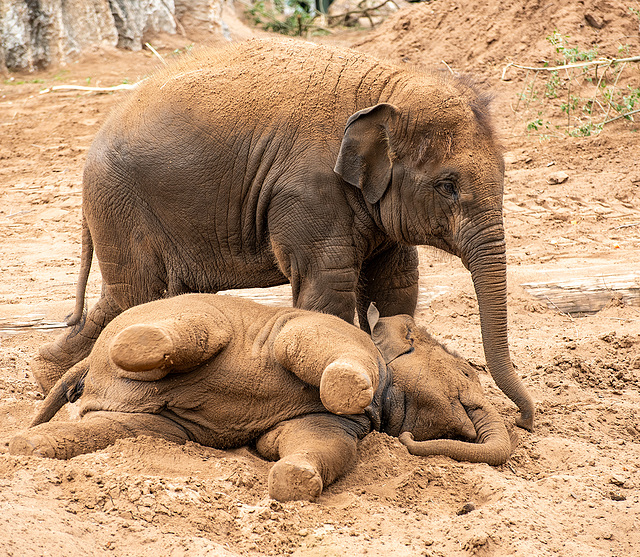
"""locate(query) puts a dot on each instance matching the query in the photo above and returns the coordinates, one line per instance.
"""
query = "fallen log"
(587, 295)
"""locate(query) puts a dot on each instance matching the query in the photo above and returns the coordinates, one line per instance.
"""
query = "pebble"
(559, 177)
(466, 509)
(617, 480)
(615, 496)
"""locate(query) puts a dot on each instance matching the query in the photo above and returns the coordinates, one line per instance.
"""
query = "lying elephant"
(303, 386)
(277, 161)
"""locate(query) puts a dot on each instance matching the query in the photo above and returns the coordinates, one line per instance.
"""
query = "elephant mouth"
(449, 247)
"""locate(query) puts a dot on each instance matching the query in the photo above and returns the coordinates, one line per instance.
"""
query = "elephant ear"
(373, 315)
(393, 336)
(365, 158)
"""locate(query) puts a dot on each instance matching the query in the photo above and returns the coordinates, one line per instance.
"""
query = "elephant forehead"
(432, 370)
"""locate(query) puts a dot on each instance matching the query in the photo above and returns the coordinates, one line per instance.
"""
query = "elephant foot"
(294, 479)
(345, 388)
(141, 351)
(46, 372)
(33, 444)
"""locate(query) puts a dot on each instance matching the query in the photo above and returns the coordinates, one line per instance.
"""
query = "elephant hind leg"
(313, 451)
(95, 431)
(294, 478)
(148, 351)
(72, 346)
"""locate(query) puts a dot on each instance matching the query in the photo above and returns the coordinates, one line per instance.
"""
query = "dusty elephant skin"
(302, 386)
(280, 161)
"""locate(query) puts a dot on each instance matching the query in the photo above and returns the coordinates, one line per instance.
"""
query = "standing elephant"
(277, 161)
(304, 386)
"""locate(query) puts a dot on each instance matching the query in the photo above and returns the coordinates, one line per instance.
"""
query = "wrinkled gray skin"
(279, 161)
(302, 386)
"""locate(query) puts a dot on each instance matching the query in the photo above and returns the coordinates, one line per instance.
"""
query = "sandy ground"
(572, 486)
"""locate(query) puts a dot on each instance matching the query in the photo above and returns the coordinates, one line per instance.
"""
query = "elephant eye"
(447, 188)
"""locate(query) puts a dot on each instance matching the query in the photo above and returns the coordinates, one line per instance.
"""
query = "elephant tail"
(493, 443)
(66, 389)
(83, 278)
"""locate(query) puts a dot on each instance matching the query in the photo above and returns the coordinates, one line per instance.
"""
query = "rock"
(202, 18)
(41, 33)
(466, 509)
(134, 20)
(617, 480)
(595, 21)
(559, 177)
(35, 35)
(616, 496)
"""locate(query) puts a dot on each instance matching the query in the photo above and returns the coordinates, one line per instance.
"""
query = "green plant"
(14, 81)
(288, 17)
(180, 51)
(569, 54)
(537, 124)
(585, 130)
(587, 88)
(553, 83)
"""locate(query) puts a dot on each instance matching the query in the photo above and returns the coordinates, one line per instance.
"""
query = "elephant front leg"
(390, 280)
(95, 431)
(313, 451)
(334, 356)
(325, 286)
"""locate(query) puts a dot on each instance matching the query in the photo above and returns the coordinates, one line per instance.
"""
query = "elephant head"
(432, 173)
(435, 403)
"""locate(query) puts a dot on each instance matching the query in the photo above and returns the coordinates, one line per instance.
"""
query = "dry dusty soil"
(572, 215)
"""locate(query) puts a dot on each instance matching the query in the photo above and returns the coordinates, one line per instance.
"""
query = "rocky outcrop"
(135, 19)
(35, 34)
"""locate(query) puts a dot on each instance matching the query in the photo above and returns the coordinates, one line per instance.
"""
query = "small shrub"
(587, 89)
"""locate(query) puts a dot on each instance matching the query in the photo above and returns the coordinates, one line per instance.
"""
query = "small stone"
(466, 509)
(594, 21)
(617, 480)
(559, 177)
(615, 496)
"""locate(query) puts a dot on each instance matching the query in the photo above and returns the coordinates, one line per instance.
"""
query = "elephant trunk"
(493, 444)
(487, 263)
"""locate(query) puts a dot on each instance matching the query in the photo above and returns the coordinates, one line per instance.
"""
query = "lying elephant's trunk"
(493, 444)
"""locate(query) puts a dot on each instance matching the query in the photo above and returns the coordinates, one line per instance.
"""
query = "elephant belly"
(220, 271)
(221, 407)
(243, 423)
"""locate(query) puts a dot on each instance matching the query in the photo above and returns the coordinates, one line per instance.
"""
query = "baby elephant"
(302, 386)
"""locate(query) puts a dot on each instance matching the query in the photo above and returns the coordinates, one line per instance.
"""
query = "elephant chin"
(492, 446)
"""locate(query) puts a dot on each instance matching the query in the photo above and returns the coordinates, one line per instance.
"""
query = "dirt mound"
(482, 35)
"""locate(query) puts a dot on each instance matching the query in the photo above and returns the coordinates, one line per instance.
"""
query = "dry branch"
(17, 324)
(365, 11)
(581, 112)
(123, 86)
(600, 62)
